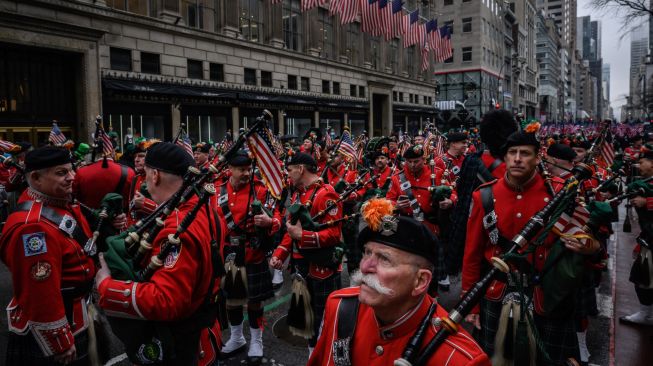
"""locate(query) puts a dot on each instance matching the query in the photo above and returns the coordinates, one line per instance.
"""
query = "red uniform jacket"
(239, 205)
(453, 163)
(327, 237)
(179, 287)
(93, 182)
(43, 260)
(376, 345)
(335, 175)
(148, 205)
(488, 160)
(513, 209)
(419, 185)
(377, 183)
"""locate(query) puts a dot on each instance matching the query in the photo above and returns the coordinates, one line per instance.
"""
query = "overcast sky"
(615, 51)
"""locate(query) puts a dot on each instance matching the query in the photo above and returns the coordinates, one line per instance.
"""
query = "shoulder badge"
(334, 210)
(34, 244)
(172, 257)
(41, 271)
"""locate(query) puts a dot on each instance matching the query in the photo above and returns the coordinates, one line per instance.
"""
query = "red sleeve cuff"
(118, 298)
(148, 206)
(276, 225)
(281, 253)
(54, 337)
(649, 203)
(310, 240)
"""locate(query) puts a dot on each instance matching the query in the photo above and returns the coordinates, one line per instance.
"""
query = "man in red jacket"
(373, 322)
(174, 304)
(94, 181)
(42, 243)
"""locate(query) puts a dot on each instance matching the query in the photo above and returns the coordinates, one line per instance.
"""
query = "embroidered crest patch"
(334, 210)
(172, 257)
(34, 244)
(41, 271)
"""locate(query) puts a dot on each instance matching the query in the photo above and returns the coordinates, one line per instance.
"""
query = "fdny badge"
(172, 257)
(34, 244)
(41, 271)
(334, 210)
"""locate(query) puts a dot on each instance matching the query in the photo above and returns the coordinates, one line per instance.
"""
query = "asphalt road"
(283, 349)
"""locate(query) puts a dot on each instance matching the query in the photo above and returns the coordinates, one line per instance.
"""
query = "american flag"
(347, 146)
(104, 139)
(277, 1)
(434, 37)
(426, 44)
(328, 141)
(7, 146)
(348, 10)
(370, 17)
(56, 136)
(397, 18)
(185, 144)
(385, 13)
(260, 144)
(573, 225)
(310, 4)
(411, 32)
(607, 150)
(445, 50)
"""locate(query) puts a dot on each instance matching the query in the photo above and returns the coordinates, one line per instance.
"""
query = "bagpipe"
(636, 188)
(532, 234)
(126, 251)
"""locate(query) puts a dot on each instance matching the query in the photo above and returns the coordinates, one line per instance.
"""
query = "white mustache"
(372, 281)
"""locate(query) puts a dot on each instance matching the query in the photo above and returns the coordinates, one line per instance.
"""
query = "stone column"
(345, 119)
(282, 122)
(235, 118)
(367, 51)
(343, 54)
(170, 12)
(314, 34)
(406, 123)
(275, 25)
(316, 119)
(231, 10)
(175, 116)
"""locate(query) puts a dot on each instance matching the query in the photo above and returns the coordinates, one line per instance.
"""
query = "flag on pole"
(444, 52)
(105, 140)
(426, 43)
(370, 17)
(348, 10)
(260, 144)
(410, 28)
(56, 136)
(7, 146)
(347, 146)
(185, 144)
(310, 4)
(607, 150)
(385, 13)
(397, 18)
(570, 226)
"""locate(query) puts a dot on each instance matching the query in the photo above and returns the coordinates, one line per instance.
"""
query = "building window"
(292, 82)
(394, 96)
(326, 87)
(450, 59)
(410, 98)
(306, 84)
(425, 99)
(266, 78)
(410, 61)
(353, 43)
(251, 25)
(467, 54)
(150, 63)
(216, 72)
(448, 2)
(195, 70)
(375, 47)
(327, 42)
(430, 100)
(401, 96)
(199, 14)
(142, 7)
(336, 88)
(393, 55)
(467, 25)
(352, 90)
(292, 25)
(120, 59)
(250, 76)
(450, 25)
(361, 91)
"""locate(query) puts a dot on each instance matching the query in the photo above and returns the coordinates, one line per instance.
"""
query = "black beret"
(456, 136)
(168, 157)
(520, 138)
(300, 158)
(403, 233)
(202, 147)
(46, 157)
(561, 151)
(240, 158)
(415, 151)
(582, 144)
(646, 152)
(24, 146)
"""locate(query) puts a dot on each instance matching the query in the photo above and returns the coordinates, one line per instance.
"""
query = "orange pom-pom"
(374, 210)
(532, 127)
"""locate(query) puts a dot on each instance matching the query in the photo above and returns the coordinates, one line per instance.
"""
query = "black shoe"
(231, 354)
(254, 360)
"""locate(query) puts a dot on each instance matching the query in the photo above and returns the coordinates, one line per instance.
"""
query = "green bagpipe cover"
(326, 257)
(441, 193)
(340, 186)
(117, 258)
(564, 269)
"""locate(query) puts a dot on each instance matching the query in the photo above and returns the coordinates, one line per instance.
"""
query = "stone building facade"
(147, 66)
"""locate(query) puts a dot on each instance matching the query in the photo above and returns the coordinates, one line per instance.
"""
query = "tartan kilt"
(557, 335)
(259, 282)
(320, 291)
(23, 350)
(586, 304)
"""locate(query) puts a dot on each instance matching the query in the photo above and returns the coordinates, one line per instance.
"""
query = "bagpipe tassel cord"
(300, 315)
(514, 341)
(234, 284)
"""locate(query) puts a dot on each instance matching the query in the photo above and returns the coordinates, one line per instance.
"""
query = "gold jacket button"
(518, 215)
(519, 196)
(379, 350)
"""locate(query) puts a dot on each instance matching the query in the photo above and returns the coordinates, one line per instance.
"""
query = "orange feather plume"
(374, 210)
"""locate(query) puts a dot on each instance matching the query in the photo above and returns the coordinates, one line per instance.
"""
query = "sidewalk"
(631, 345)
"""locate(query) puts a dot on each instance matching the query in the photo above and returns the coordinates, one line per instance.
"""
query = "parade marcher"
(320, 278)
(201, 154)
(560, 160)
(499, 210)
(245, 248)
(175, 304)
(42, 244)
(455, 154)
(419, 138)
(11, 177)
(641, 273)
(141, 204)
(373, 322)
